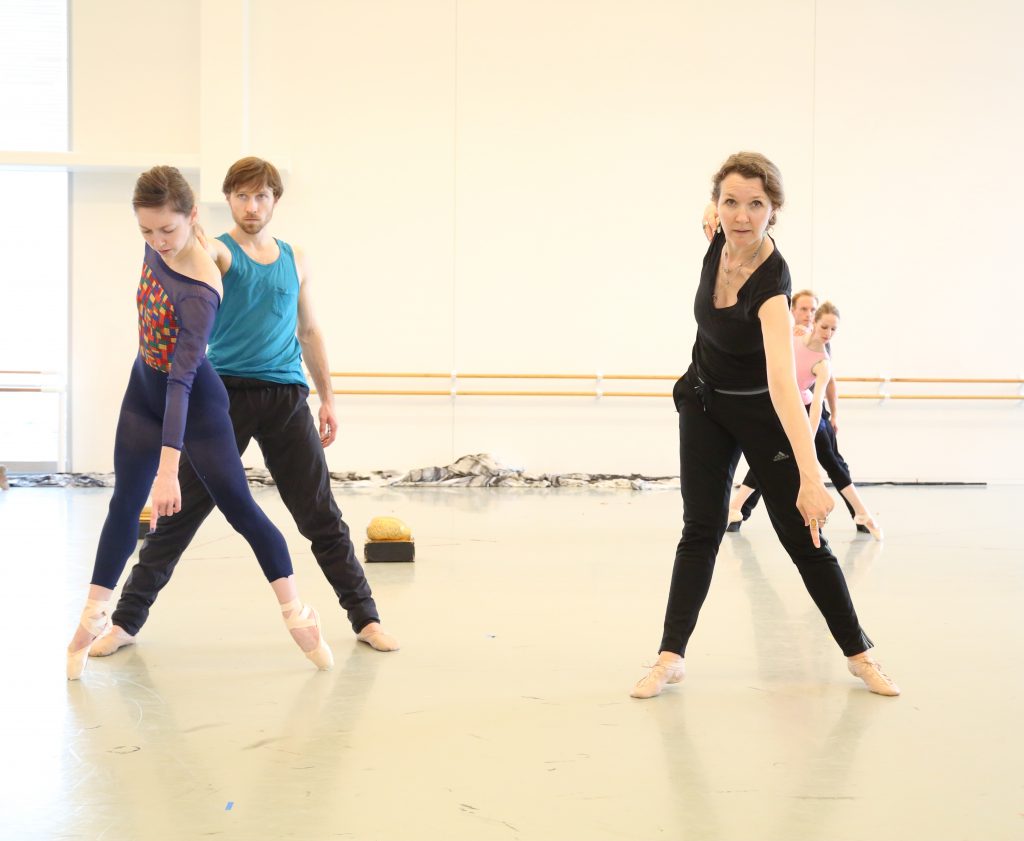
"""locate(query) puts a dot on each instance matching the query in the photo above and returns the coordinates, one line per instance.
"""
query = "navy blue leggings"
(210, 445)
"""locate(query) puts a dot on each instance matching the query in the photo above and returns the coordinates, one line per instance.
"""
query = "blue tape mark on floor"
(230, 804)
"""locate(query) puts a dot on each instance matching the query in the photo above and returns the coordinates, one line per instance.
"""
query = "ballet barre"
(599, 391)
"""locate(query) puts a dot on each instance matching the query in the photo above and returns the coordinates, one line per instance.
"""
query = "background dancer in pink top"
(813, 368)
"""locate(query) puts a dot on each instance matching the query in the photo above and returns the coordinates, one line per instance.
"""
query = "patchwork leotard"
(175, 399)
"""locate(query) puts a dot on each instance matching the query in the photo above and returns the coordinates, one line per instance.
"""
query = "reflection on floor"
(525, 621)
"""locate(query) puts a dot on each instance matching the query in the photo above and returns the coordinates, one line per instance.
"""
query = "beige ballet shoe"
(305, 616)
(115, 638)
(870, 671)
(377, 638)
(660, 675)
(95, 620)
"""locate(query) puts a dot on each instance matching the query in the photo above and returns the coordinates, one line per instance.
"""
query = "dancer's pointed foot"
(735, 520)
(670, 668)
(870, 671)
(94, 621)
(377, 638)
(304, 623)
(114, 639)
(870, 524)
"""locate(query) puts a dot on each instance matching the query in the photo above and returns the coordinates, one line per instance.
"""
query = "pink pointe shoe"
(661, 674)
(95, 619)
(305, 616)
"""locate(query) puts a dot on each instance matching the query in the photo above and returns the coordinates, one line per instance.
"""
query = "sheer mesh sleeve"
(195, 317)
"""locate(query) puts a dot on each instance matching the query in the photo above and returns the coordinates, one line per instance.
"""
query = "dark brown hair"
(163, 186)
(253, 173)
(752, 165)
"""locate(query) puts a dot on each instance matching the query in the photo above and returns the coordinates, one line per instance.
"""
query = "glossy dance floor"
(506, 715)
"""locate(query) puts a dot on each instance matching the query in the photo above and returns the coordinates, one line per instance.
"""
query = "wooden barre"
(659, 394)
(594, 376)
(458, 376)
(932, 396)
(530, 393)
(497, 393)
(953, 380)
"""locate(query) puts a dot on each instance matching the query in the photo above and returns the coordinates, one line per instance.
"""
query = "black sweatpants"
(278, 417)
(826, 447)
(710, 442)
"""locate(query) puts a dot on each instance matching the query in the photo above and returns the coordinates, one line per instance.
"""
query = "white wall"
(517, 187)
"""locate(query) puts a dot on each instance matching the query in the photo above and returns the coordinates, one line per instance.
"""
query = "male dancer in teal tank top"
(266, 326)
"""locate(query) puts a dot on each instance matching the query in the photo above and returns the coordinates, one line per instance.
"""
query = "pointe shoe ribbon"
(95, 619)
(305, 616)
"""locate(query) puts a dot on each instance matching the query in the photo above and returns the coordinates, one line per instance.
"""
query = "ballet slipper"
(296, 616)
(377, 638)
(870, 671)
(661, 673)
(870, 524)
(95, 620)
(113, 640)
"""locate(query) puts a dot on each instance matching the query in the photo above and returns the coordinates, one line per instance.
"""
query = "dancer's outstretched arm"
(833, 402)
(813, 501)
(823, 374)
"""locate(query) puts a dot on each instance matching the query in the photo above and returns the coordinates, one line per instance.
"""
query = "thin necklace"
(726, 280)
(751, 259)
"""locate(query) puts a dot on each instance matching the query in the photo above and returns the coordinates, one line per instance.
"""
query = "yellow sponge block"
(390, 540)
(388, 528)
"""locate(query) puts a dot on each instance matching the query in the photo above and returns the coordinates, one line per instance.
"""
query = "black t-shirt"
(729, 351)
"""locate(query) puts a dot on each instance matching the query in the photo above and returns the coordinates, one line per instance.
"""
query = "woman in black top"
(740, 395)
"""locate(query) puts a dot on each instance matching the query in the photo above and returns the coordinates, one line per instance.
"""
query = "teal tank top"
(254, 334)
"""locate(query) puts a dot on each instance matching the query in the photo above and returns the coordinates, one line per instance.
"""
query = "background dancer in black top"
(264, 331)
(175, 401)
(740, 395)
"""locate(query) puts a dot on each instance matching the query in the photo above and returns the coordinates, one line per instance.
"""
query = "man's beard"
(253, 226)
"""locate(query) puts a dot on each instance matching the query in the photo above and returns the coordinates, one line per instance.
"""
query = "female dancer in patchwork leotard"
(813, 366)
(175, 401)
